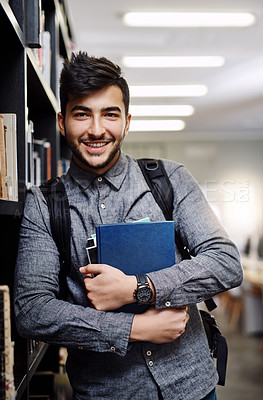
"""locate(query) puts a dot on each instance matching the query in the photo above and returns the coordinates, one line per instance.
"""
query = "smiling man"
(162, 353)
(95, 126)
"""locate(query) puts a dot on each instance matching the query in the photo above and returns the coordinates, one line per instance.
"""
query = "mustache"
(103, 138)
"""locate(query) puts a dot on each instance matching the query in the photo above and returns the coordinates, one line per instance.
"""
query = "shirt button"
(150, 363)
(99, 179)
(113, 348)
(103, 206)
(149, 353)
(168, 304)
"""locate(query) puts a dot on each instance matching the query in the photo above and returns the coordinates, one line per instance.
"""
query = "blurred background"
(195, 71)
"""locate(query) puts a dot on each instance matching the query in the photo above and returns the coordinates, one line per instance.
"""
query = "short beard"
(79, 156)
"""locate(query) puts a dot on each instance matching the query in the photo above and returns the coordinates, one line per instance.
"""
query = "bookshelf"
(29, 90)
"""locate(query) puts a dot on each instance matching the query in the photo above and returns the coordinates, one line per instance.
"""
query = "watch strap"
(142, 279)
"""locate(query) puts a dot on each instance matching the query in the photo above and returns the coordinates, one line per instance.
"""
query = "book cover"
(136, 248)
(11, 155)
(3, 163)
(7, 386)
(29, 159)
(42, 149)
(47, 56)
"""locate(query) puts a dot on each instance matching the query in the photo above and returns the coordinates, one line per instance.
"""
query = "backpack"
(161, 188)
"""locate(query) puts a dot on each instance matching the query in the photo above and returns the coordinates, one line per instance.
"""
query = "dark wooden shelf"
(12, 208)
(12, 20)
(39, 89)
(24, 92)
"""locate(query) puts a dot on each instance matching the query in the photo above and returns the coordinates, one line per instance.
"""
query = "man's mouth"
(95, 144)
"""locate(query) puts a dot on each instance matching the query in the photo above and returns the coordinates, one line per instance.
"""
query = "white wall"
(230, 174)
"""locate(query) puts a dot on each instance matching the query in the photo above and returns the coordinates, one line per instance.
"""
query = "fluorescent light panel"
(172, 61)
(168, 91)
(156, 125)
(189, 19)
(161, 110)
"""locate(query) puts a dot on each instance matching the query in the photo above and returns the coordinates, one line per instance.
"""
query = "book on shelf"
(3, 169)
(29, 167)
(7, 386)
(38, 158)
(46, 57)
(34, 24)
(41, 47)
(42, 156)
(8, 151)
(136, 248)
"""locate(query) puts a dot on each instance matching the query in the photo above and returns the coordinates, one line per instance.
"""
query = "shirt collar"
(114, 176)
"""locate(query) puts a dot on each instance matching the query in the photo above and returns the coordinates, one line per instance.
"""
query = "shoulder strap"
(159, 183)
(58, 205)
(162, 190)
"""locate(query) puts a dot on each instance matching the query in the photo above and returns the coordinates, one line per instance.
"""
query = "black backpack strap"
(217, 344)
(58, 205)
(162, 190)
(160, 185)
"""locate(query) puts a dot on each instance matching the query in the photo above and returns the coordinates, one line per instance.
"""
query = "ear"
(127, 125)
(61, 123)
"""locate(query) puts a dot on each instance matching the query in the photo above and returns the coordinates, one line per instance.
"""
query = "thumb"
(91, 269)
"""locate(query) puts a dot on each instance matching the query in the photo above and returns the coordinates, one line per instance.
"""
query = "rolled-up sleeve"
(40, 314)
(215, 265)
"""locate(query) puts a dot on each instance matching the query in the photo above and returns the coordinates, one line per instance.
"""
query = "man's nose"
(96, 127)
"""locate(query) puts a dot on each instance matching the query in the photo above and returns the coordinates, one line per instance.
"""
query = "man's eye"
(81, 115)
(112, 115)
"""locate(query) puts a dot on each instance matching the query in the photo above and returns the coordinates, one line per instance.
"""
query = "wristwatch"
(143, 293)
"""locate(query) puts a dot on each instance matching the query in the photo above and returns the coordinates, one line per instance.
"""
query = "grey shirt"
(101, 362)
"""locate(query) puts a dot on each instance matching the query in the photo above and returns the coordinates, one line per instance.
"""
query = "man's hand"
(107, 287)
(159, 326)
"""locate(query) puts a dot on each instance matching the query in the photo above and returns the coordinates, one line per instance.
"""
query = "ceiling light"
(156, 125)
(172, 61)
(189, 19)
(161, 110)
(168, 91)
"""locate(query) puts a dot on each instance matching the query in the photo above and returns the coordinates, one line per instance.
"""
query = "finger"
(89, 276)
(84, 270)
(91, 269)
(182, 332)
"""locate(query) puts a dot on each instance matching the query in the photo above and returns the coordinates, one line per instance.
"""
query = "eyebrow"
(81, 108)
(112, 108)
(87, 109)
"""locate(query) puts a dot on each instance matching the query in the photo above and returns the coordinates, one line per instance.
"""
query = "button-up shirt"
(102, 364)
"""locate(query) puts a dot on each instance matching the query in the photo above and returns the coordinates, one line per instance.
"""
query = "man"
(162, 353)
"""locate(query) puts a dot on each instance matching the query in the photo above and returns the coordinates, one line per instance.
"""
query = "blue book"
(136, 248)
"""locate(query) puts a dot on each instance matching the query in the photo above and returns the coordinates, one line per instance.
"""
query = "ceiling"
(233, 107)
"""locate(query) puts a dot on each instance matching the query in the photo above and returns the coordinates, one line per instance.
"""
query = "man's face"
(95, 126)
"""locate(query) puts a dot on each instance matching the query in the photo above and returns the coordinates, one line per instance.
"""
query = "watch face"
(144, 294)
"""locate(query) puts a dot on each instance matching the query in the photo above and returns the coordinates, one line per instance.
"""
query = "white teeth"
(96, 144)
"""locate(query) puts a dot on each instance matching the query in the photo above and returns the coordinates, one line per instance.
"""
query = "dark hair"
(83, 75)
